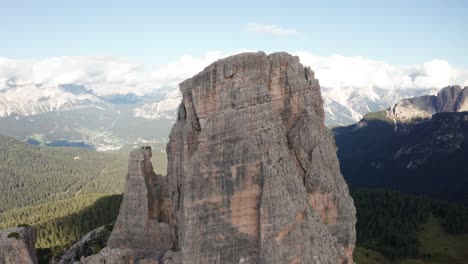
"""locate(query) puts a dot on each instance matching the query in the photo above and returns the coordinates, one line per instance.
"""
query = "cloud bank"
(109, 75)
(104, 75)
(270, 29)
(358, 72)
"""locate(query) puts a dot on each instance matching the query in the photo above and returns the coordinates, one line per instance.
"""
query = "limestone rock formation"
(82, 246)
(137, 226)
(449, 99)
(452, 99)
(17, 246)
(252, 175)
(419, 107)
(110, 256)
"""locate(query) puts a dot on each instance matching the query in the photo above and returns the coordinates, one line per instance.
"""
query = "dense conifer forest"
(392, 223)
(60, 223)
(33, 175)
(66, 192)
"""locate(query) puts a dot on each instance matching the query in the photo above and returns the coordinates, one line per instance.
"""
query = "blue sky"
(157, 32)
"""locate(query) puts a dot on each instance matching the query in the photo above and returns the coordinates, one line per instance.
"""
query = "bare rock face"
(82, 246)
(138, 226)
(421, 107)
(110, 256)
(253, 171)
(252, 177)
(17, 246)
(452, 99)
(449, 99)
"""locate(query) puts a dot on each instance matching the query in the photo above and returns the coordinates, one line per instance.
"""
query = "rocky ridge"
(252, 177)
(83, 247)
(449, 99)
(408, 112)
(17, 246)
(419, 146)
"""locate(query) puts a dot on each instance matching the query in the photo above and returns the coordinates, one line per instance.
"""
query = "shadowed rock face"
(253, 171)
(17, 246)
(252, 177)
(138, 226)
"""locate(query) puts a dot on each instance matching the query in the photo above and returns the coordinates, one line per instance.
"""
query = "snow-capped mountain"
(71, 115)
(31, 99)
(47, 114)
(164, 109)
(342, 106)
(346, 106)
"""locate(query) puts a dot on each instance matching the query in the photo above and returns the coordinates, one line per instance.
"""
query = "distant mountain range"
(419, 145)
(347, 106)
(72, 115)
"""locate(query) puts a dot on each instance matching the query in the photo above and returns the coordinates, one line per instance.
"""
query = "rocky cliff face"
(449, 99)
(17, 246)
(252, 177)
(138, 225)
(254, 171)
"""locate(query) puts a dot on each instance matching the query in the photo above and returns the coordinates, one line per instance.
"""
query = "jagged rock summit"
(17, 246)
(253, 175)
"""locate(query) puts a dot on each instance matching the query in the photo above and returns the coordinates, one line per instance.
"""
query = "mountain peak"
(251, 168)
(449, 99)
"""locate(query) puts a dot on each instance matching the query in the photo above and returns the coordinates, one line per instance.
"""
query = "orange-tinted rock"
(139, 226)
(17, 246)
(252, 177)
(250, 163)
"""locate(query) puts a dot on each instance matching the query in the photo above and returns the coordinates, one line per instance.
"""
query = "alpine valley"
(63, 153)
(72, 115)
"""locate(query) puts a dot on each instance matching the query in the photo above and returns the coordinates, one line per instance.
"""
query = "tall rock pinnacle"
(138, 226)
(253, 169)
(253, 175)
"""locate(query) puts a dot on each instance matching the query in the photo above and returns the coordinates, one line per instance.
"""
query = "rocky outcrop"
(109, 256)
(421, 107)
(138, 225)
(452, 99)
(449, 99)
(252, 175)
(17, 246)
(253, 170)
(83, 247)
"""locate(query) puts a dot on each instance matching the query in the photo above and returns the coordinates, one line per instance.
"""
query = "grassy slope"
(437, 247)
(440, 247)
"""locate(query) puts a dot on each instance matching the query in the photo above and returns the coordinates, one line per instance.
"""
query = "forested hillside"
(426, 158)
(62, 222)
(32, 175)
(400, 226)
(64, 193)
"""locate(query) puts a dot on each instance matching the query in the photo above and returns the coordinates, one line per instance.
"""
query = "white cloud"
(341, 72)
(108, 75)
(105, 75)
(270, 29)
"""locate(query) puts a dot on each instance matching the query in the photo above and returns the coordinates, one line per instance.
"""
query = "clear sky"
(156, 32)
